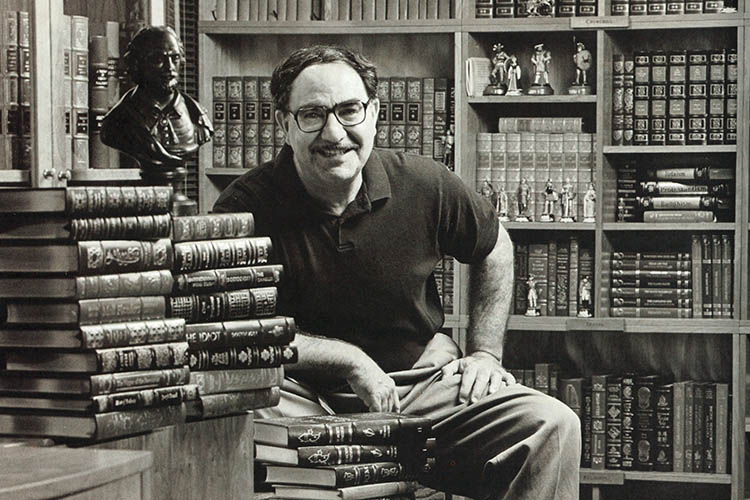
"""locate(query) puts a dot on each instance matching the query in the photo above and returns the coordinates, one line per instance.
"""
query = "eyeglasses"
(314, 118)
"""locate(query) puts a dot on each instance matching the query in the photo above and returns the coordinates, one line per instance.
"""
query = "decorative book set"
(662, 193)
(346, 456)
(485, 9)
(94, 335)
(670, 7)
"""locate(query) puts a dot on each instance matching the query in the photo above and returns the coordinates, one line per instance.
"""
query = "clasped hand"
(481, 374)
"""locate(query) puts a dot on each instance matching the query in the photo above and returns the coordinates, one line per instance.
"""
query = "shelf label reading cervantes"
(599, 22)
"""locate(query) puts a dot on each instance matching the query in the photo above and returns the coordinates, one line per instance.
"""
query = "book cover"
(216, 280)
(709, 427)
(613, 454)
(315, 456)
(240, 333)
(678, 426)
(236, 380)
(707, 275)
(88, 201)
(722, 426)
(645, 416)
(37, 227)
(727, 278)
(562, 302)
(352, 428)
(337, 476)
(599, 421)
(628, 421)
(223, 306)
(192, 256)
(664, 408)
(699, 421)
(212, 226)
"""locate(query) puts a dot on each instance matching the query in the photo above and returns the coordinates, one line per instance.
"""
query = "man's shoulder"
(249, 191)
(399, 163)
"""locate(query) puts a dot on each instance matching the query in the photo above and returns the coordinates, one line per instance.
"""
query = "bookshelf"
(243, 47)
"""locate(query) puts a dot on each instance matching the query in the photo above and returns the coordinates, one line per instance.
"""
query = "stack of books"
(352, 456)
(225, 289)
(89, 352)
(674, 194)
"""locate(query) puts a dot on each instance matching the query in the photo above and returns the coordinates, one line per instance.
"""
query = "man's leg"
(516, 444)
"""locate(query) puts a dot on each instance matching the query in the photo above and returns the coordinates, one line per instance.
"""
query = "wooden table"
(37, 473)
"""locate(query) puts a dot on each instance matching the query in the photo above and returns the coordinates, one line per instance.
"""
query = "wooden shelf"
(106, 175)
(530, 24)
(549, 226)
(226, 172)
(690, 226)
(519, 322)
(15, 177)
(541, 99)
(705, 149)
(618, 477)
(328, 27)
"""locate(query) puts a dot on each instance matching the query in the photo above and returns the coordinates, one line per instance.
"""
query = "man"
(359, 232)
(154, 122)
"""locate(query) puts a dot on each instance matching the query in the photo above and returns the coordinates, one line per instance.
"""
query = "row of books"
(504, 159)
(101, 339)
(675, 97)
(415, 116)
(16, 78)
(354, 455)
(485, 9)
(333, 10)
(695, 284)
(665, 194)
(563, 272)
(670, 7)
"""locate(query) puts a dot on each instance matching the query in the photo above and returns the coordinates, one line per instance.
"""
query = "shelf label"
(599, 22)
(594, 324)
(602, 477)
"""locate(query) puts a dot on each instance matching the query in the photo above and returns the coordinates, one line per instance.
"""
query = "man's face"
(160, 65)
(336, 154)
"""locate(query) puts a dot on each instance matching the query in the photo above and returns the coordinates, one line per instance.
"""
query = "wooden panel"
(198, 460)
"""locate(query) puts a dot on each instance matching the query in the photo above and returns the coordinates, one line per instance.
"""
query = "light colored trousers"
(515, 444)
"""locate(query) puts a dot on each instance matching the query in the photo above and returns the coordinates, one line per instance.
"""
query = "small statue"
(584, 297)
(487, 191)
(448, 140)
(589, 204)
(497, 84)
(524, 194)
(154, 122)
(532, 308)
(501, 204)
(541, 59)
(550, 197)
(568, 206)
(582, 58)
(513, 76)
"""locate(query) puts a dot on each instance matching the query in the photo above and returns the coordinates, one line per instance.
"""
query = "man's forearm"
(332, 356)
(491, 288)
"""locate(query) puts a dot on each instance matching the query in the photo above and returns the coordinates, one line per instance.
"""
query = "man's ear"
(375, 106)
(284, 120)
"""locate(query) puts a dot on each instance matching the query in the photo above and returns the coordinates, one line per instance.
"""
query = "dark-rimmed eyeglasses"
(314, 118)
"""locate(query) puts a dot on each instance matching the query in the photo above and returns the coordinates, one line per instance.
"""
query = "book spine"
(357, 474)
(651, 312)
(678, 427)
(628, 422)
(216, 280)
(100, 201)
(699, 420)
(234, 125)
(315, 456)
(241, 357)
(645, 416)
(563, 285)
(598, 421)
(689, 424)
(113, 309)
(80, 73)
(538, 257)
(614, 423)
(355, 432)
(709, 428)
(145, 357)
(219, 121)
(651, 302)
(651, 264)
(220, 306)
(108, 383)
(212, 226)
(716, 276)
(127, 333)
(217, 405)
(521, 272)
(653, 293)
(146, 398)
(707, 275)
(121, 423)
(551, 277)
(158, 282)
(697, 279)
(98, 100)
(219, 381)
(251, 111)
(133, 227)
(266, 331)
(663, 454)
(123, 256)
(220, 254)
(678, 216)
(727, 282)
(586, 426)
(573, 280)
(722, 422)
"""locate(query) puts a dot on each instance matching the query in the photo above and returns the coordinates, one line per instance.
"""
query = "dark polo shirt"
(367, 276)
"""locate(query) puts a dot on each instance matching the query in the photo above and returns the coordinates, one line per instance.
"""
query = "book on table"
(361, 492)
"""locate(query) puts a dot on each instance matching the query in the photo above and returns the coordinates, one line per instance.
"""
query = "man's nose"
(332, 129)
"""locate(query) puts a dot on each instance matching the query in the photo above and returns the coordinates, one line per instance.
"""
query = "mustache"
(328, 149)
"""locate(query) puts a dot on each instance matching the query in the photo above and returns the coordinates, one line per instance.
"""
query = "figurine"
(589, 204)
(568, 194)
(582, 59)
(524, 192)
(513, 76)
(584, 297)
(532, 308)
(550, 197)
(487, 191)
(154, 122)
(497, 84)
(541, 59)
(448, 140)
(501, 204)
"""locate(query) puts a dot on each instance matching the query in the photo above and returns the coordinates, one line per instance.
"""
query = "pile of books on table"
(87, 350)
(346, 456)
(225, 289)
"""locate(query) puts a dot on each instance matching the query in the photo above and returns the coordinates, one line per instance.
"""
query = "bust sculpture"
(155, 122)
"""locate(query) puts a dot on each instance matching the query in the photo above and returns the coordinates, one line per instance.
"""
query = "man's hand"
(374, 387)
(481, 374)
